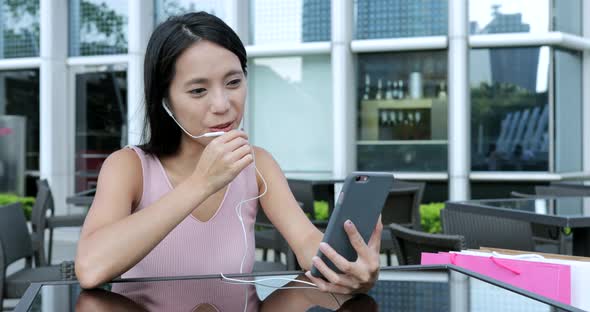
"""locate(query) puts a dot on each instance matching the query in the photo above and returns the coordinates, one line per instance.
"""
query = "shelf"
(403, 142)
(400, 104)
(433, 107)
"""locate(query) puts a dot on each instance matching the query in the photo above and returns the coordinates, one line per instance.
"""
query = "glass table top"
(413, 288)
(571, 207)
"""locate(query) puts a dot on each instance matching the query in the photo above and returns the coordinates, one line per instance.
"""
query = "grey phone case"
(361, 201)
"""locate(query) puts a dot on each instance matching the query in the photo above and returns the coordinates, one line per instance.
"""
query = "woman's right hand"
(223, 159)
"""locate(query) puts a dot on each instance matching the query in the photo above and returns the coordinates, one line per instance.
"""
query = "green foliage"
(101, 19)
(321, 210)
(430, 215)
(27, 202)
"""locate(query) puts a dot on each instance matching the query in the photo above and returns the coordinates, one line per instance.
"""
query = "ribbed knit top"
(195, 247)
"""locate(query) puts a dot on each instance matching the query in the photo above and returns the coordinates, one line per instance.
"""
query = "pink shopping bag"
(546, 279)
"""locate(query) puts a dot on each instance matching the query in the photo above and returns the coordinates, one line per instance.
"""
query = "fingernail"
(348, 222)
(315, 259)
(323, 246)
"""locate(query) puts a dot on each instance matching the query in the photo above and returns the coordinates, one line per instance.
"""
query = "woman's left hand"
(356, 277)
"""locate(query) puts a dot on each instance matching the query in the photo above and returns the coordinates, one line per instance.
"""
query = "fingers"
(356, 240)
(243, 162)
(234, 144)
(375, 240)
(340, 262)
(231, 135)
(326, 286)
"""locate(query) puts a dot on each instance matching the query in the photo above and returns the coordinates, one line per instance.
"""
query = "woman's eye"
(199, 91)
(235, 82)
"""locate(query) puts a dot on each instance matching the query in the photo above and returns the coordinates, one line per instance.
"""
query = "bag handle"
(496, 261)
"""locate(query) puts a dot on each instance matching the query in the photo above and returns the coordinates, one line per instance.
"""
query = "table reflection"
(216, 295)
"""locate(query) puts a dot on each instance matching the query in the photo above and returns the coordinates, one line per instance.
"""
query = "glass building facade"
(525, 83)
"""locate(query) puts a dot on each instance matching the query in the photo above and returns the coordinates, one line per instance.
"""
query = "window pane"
(98, 27)
(19, 28)
(167, 8)
(567, 16)
(568, 111)
(280, 21)
(402, 111)
(19, 95)
(508, 16)
(400, 18)
(291, 99)
(510, 109)
(101, 118)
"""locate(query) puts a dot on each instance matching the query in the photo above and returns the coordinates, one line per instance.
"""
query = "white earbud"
(208, 134)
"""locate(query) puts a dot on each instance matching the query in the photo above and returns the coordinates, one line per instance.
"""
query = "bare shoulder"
(125, 162)
(118, 190)
(265, 161)
(122, 170)
(267, 166)
(262, 154)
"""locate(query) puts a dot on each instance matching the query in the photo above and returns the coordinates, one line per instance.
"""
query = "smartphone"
(361, 201)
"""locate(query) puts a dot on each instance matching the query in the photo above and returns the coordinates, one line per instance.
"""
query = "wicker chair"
(489, 231)
(40, 221)
(409, 244)
(402, 206)
(16, 244)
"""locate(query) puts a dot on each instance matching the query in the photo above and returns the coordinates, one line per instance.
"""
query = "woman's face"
(208, 91)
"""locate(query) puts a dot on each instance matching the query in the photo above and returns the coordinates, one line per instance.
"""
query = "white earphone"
(208, 134)
(238, 210)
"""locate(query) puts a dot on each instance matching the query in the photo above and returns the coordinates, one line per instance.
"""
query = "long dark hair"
(161, 136)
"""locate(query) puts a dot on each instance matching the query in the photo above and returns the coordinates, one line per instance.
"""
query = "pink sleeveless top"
(194, 247)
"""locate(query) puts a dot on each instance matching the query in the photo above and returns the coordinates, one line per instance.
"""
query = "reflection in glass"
(19, 95)
(400, 18)
(291, 106)
(280, 21)
(402, 111)
(101, 122)
(508, 16)
(19, 28)
(560, 206)
(166, 8)
(423, 290)
(509, 109)
(569, 108)
(97, 27)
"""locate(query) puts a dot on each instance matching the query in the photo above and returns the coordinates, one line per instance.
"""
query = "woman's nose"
(220, 102)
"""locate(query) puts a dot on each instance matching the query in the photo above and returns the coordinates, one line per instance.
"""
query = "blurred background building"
(73, 68)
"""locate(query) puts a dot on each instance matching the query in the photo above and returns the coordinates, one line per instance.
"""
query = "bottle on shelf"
(379, 94)
(384, 118)
(367, 87)
(442, 92)
(389, 90)
(400, 92)
(392, 117)
(395, 90)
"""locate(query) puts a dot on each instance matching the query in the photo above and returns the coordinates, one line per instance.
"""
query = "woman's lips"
(223, 127)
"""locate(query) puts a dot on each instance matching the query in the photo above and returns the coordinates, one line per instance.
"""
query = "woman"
(173, 205)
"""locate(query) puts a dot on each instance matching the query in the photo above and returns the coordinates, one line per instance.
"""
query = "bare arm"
(284, 212)
(113, 240)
